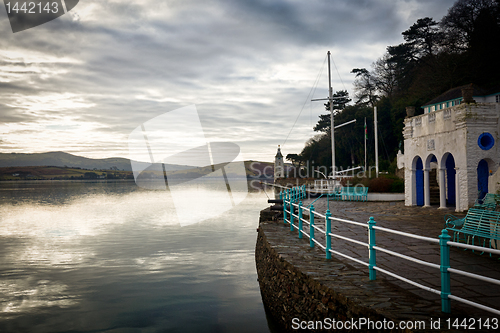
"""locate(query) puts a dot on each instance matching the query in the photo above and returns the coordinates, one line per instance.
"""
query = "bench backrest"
(347, 190)
(482, 222)
(355, 190)
(490, 201)
(491, 198)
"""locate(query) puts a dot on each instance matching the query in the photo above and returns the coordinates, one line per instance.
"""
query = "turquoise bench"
(338, 193)
(363, 195)
(351, 194)
(489, 202)
(478, 224)
(348, 193)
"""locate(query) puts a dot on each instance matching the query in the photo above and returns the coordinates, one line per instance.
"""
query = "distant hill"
(257, 169)
(254, 169)
(61, 159)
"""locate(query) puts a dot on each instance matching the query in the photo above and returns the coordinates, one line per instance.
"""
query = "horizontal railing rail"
(293, 211)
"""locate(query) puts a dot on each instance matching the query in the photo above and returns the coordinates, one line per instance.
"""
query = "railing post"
(300, 219)
(311, 226)
(372, 262)
(444, 238)
(328, 227)
(284, 206)
(292, 210)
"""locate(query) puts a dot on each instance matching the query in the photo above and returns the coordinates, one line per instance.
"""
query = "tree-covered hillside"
(462, 48)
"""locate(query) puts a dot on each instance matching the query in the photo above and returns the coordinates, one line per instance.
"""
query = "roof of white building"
(456, 93)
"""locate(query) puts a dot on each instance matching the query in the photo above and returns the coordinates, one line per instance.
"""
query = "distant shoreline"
(254, 170)
(69, 180)
(62, 173)
(102, 180)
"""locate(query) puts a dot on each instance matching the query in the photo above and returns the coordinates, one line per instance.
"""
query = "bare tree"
(385, 76)
(365, 87)
(459, 23)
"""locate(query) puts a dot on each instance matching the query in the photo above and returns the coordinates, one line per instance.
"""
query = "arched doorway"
(482, 178)
(431, 186)
(419, 181)
(450, 180)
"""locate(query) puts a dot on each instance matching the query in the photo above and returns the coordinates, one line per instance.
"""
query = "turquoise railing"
(292, 202)
(294, 193)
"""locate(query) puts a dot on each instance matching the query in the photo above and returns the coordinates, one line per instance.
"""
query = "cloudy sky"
(83, 82)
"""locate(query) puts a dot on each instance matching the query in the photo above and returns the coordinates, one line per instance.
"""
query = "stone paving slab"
(417, 220)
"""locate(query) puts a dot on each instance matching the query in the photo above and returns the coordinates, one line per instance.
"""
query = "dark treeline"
(462, 48)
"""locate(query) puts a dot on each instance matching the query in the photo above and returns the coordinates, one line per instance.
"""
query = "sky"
(85, 81)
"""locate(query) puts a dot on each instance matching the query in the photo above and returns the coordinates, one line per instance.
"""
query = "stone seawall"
(298, 282)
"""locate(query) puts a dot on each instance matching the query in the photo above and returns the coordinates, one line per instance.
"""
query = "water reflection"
(25, 296)
(113, 257)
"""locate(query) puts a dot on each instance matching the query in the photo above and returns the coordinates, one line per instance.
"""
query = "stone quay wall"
(299, 282)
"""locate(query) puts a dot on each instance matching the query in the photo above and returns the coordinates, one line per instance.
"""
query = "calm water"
(111, 257)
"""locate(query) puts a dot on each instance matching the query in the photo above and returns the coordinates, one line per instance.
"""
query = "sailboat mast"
(365, 135)
(330, 92)
(375, 129)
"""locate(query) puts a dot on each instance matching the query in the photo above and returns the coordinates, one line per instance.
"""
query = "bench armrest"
(451, 221)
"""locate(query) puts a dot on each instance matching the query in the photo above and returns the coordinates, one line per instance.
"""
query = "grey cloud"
(213, 54)
(13, 115)
(10, 88)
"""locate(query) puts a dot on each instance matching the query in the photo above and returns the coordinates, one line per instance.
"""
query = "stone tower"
(279, 167)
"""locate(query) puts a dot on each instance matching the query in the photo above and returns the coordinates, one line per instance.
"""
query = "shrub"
(381, 185)
(398, 186)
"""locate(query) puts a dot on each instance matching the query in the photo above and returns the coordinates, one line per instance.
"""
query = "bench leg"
(466, 238)
(456, 237)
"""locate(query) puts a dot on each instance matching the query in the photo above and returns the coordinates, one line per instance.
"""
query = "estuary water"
(112, 257)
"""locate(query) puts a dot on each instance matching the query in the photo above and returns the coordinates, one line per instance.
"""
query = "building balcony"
(450, 119)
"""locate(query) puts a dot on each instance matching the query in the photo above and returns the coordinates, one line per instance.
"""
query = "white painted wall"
(453, 130)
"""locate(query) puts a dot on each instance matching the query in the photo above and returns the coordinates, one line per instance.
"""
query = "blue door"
(482, 178)
(419, 179)
(450, 171)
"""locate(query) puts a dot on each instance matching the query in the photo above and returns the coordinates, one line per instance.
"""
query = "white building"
(458, 136)
(279, 165)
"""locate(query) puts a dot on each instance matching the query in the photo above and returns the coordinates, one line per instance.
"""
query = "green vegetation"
(253, 169)
(381, 184)
(462, 48)
(60, 173)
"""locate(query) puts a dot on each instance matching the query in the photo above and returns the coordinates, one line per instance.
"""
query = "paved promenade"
(421, 221)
